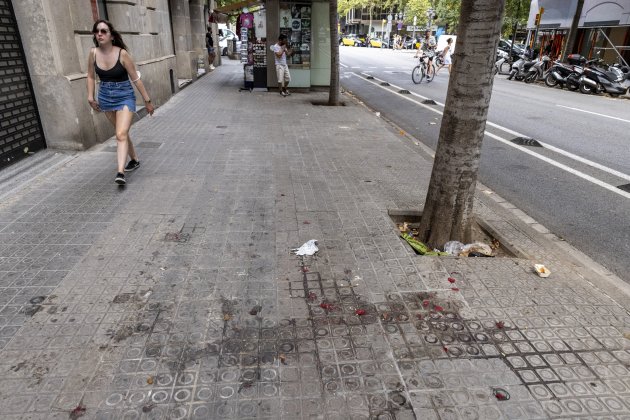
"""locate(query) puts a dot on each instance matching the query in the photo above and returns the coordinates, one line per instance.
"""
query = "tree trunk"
(333, 95)
(448, 210)
(570, 43)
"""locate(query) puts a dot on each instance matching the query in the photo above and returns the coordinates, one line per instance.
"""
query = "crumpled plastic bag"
(477, 248)
(453, 248)
(308, 248)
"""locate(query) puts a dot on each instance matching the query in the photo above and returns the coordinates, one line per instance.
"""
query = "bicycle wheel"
(417, 74)
(430, 71)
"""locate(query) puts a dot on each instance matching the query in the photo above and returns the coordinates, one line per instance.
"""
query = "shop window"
(295, 23)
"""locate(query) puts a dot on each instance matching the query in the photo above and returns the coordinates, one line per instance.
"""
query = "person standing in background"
(281, 52)
(210, 47)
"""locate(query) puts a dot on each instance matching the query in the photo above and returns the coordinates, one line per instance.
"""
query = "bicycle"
(422, 69)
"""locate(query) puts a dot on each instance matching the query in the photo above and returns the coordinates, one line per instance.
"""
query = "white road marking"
(343, 65)
(548, 146)
(523, 149)
(594, 113)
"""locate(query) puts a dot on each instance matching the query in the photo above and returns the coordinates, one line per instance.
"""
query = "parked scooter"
(502, 61)
(538, 71)
(597, 79)
(520, 68)
(566, 74)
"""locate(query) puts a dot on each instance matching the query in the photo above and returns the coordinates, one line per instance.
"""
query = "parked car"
(224, 40)
(517, 51)
(377, 43)
(352, 41)
(409, 44)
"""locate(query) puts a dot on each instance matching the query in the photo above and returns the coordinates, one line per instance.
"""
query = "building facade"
(43, 64)
(604, 26)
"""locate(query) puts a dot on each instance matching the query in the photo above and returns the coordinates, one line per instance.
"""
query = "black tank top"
(118, 73)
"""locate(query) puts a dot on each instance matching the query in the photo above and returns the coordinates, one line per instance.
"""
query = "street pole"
(430, 16)
(413, 37)
(518, 12)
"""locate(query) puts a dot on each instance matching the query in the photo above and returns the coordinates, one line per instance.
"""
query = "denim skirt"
(113, 96)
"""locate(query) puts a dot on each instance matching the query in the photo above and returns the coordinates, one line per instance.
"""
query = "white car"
(224, 41)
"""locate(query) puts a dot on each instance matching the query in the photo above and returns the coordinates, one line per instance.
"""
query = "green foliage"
(419, 9)
(447, 14)
(516, 12)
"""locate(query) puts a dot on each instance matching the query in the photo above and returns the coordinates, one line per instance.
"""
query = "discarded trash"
(378, 114)
(541, 270)
(308, 248)
(500, 325)
(404, 227)
(420, 248)
(425, 303)
(255, 310)
(453, 248)
(283, 358)
(432, 123)
(477, 248)
(227, 317)
(501, 394)
(451, 280)
(150, 380)
(626, 336)
(360, 312)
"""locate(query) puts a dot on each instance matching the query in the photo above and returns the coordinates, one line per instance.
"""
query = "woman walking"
(446, 56)
(115, 68)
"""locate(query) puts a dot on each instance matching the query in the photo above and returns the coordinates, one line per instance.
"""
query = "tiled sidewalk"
(177, 296)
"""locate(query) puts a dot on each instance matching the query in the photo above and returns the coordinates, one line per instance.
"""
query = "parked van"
(225, 38)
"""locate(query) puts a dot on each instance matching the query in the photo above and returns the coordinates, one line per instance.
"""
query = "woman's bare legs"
(122, 122)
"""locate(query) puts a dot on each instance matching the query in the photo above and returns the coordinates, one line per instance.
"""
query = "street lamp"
(413, 37)
(430, 14)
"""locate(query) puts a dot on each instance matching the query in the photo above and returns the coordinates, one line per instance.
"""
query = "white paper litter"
(308, 248)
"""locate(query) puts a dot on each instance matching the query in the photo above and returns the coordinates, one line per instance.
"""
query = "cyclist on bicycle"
(428, 48)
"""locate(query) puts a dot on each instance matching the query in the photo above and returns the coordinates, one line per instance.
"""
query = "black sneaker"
(120, 179)
(132, 165)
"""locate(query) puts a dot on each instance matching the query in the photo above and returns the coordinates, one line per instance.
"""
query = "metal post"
(413, 37)
(518, 12)
(613, 47)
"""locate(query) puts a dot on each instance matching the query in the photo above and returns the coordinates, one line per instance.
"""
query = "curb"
(588, 269)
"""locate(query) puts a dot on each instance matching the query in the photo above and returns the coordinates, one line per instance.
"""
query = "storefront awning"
(238, 6)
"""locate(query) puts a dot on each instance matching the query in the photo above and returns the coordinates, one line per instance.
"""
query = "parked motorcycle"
(566, 74)
(598, 79)
(538, 71)
(520, 68)
(501, 63)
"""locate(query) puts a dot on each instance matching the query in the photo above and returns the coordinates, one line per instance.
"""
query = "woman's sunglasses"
(101, 31)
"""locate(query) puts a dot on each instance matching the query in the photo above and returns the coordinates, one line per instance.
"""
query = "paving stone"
(177, 296)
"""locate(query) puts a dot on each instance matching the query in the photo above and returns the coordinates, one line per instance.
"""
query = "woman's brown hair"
(116, 37)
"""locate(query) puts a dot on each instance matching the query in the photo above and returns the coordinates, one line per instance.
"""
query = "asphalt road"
(570, 185)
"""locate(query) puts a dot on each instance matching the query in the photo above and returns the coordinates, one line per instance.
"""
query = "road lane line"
(546, 145)
(550, 161)
(343, 65)
(594, 113)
